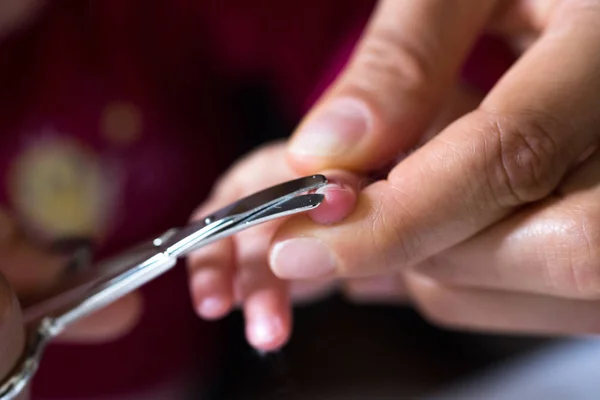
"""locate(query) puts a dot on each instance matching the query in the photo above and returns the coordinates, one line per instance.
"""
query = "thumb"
(392, 88)
(12, 333)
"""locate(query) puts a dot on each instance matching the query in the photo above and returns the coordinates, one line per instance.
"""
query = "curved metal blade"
(283, 208)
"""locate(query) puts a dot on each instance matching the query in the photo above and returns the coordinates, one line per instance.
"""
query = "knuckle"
(523, 164)
(390, 57)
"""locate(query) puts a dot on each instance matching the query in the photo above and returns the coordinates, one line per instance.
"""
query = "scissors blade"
(267, 197)
(231, 219)
(286, 207)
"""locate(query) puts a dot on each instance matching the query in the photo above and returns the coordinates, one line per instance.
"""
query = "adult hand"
(493, 223)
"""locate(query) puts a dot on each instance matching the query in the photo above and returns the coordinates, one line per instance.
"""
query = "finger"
(12, 334)
(211, 270)
(340, 197)
(532, 128)
(394, 83)
(550, 249)
(265, 298)
(503, 311)
(390, 289)
(299, 257)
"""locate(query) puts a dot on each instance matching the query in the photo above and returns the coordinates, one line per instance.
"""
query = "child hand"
(235, 271)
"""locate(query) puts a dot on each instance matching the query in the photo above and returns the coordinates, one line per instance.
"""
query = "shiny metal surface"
(92, 289)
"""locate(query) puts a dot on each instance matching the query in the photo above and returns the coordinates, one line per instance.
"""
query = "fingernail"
(265, 332)
(339, 201)
(333, 131)
(333, 187)
(301, 258)
(213, 307)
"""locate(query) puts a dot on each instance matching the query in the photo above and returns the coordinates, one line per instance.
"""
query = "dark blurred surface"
(345, 351)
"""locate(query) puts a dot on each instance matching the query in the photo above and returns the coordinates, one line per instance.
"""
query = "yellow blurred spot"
(59, 189)
(121, 123)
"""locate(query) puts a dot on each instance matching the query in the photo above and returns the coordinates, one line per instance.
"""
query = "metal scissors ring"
(87, 291)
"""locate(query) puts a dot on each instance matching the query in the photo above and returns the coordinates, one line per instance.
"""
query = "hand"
(235, 271)
(493, 223)
(30, 270)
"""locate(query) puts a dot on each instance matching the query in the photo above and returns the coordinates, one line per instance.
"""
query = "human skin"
(492, 224)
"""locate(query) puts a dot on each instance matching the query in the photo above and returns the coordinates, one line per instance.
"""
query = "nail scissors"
(93, 288)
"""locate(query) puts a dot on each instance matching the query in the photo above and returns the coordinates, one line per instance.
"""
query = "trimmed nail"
(333, 131)
(301, 258)
(339, 202)
(213, 307)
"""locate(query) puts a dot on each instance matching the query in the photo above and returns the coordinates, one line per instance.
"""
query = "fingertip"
(332, 133)
(302, 258)
(267, 333)
(304, 164)
(268, 320)
(213, 307)
(211, 273)
(338, 203)
(364, 243)
(212, 293)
